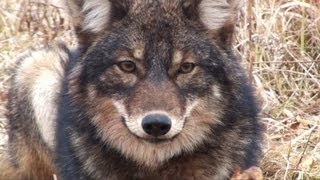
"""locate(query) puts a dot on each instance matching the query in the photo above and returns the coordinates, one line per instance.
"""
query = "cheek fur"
(107, 119)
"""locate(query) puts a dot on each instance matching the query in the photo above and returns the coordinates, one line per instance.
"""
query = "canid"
(154, 92)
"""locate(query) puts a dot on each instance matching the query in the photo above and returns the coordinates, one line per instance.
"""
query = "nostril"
(148, 127)
(156, 124)
(163, 127)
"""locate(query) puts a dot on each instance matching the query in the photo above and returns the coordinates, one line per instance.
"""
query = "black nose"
(156, 124)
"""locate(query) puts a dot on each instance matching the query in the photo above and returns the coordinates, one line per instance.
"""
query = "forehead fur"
(97, 15)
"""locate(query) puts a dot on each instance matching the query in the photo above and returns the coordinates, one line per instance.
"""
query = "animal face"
(155, 78)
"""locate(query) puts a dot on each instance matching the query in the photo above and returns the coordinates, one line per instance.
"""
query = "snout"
(156, 124)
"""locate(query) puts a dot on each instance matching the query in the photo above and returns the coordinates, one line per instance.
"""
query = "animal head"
(155, 75)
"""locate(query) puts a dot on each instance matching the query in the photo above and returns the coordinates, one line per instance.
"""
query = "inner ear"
(224, 35)
(91, 18)
(190, 9)
(119, 10)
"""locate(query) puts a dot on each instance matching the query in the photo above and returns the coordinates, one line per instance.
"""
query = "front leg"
(253, 173)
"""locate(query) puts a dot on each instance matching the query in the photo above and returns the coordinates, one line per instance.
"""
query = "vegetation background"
(278, 42)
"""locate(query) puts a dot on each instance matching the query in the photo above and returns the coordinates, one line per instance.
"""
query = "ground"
(278, 42)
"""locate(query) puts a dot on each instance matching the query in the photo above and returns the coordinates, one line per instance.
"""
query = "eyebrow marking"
(177, 57)
(138, 53)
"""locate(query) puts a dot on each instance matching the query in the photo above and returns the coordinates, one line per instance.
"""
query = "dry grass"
(280, 41)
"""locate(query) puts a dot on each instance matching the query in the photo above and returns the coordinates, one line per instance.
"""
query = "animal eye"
(127, 66)
(187, 67)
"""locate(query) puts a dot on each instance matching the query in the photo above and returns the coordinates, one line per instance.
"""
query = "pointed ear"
(219, 18)
(92, 17)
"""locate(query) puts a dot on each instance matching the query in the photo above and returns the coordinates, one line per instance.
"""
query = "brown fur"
(33, 163)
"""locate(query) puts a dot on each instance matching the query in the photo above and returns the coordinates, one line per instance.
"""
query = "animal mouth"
(156, 140)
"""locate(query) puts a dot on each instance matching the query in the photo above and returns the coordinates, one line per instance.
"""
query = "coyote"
(154, 91)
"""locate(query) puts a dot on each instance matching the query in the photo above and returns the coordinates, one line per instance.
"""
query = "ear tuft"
(97, 15)
(219, 17)
(214, 13)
